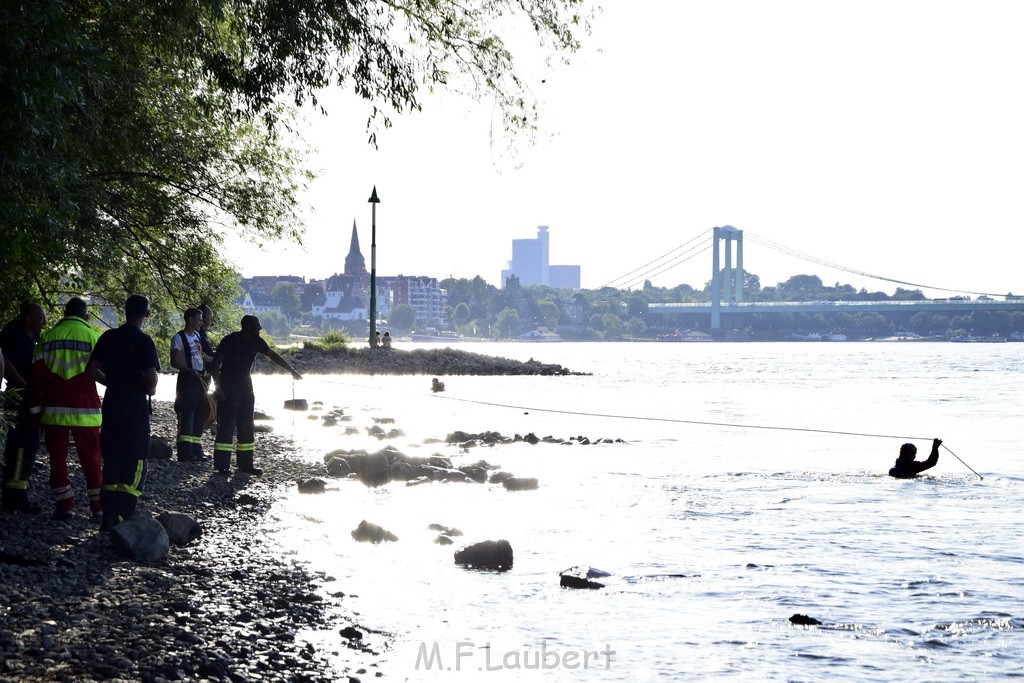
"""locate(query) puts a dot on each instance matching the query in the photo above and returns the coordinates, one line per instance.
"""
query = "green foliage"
(8, 398)
(135, 135)
(275, 324)
(286, 295)
(402, 317)
(507, 323)
(331, 340)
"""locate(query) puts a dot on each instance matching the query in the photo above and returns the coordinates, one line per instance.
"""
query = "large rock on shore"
(142, 539)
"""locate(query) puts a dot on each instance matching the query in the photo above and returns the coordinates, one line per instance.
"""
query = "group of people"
(56, 372)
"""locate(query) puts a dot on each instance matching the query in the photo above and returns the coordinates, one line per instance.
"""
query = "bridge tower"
(727, 282)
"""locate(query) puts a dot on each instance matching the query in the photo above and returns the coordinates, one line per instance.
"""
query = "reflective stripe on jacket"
(62, 389)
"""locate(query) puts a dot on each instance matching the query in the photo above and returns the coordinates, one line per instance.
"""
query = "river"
(751, 485)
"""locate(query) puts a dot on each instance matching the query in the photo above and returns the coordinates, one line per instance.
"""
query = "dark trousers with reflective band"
(234, 413)
(190, 406)
(124, 442)
(19, 458)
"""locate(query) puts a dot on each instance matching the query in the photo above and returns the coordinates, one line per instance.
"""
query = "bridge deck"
(841, 307)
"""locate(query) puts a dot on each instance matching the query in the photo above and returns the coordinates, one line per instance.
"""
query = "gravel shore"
(219, 609)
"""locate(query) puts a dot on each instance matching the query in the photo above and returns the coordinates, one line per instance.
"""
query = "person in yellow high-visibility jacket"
(68, 406)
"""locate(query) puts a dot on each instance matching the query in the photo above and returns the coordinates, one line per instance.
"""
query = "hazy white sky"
(887, 137)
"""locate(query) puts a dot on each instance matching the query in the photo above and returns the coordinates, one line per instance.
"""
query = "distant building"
(423, 293)
(530, 264)
(347, 296)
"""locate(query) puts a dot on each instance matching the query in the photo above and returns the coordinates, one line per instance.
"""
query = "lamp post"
(374, 201)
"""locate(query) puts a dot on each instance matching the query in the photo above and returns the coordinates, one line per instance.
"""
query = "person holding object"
(907, 467)
(190, 391)
(231, 370)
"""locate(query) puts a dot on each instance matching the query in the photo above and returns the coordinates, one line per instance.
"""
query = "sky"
(883, 137)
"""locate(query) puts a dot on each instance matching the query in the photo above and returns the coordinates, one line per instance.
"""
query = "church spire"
(355, 264)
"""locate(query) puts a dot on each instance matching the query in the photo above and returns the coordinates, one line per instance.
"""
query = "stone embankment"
(444, 361)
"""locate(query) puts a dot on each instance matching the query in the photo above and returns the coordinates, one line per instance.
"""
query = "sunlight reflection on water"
(762, 523)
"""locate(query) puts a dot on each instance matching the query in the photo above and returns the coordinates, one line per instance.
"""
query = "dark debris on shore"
(220, 609)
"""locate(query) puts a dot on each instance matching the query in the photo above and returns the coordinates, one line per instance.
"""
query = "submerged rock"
(803, 620)
(368, 532)
(312, 485)
(582, 578)
(495, 555)
(520, 484)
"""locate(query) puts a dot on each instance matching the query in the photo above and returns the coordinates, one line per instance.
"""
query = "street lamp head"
(373, 197)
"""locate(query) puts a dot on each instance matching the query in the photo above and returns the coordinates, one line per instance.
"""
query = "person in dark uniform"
(125, 361)
(232, 365)
(907, 467)
(18, 341)
(190, 392)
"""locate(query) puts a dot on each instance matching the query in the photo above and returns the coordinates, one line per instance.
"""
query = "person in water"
(907, 467)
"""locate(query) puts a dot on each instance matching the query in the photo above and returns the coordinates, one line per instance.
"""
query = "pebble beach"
(217, 609)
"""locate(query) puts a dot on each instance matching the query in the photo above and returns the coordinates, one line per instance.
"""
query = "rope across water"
(709, 423)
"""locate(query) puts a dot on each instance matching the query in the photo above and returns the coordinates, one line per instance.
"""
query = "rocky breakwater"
(222, 607)
(367, 361)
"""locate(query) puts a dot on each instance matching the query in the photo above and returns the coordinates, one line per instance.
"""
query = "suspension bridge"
(727, 276)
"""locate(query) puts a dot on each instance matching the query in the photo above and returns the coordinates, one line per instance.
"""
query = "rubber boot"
(222, 461)
(245, 464)
(185, 453)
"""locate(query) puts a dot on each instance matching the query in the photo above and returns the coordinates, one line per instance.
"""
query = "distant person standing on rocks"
(65, 400)
(231, 370)
(125, 361)
(907, 467)
(18, 343)
(190, 394)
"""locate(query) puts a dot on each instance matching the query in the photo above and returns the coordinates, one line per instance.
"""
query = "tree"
(462, 314)
(312, 294)
(134, 135)
(507, 323)
(636, 327)
(276, 324)
(402, 317)
(612, 325)
(549, 313)
(286, 295)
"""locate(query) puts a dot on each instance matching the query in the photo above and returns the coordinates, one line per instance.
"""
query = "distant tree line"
(476, 308)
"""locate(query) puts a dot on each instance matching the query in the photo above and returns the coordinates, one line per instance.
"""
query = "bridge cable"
(822, 262)
(666, 254)
(671, 265)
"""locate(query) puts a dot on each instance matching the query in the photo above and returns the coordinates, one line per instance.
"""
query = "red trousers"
(87, 443)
